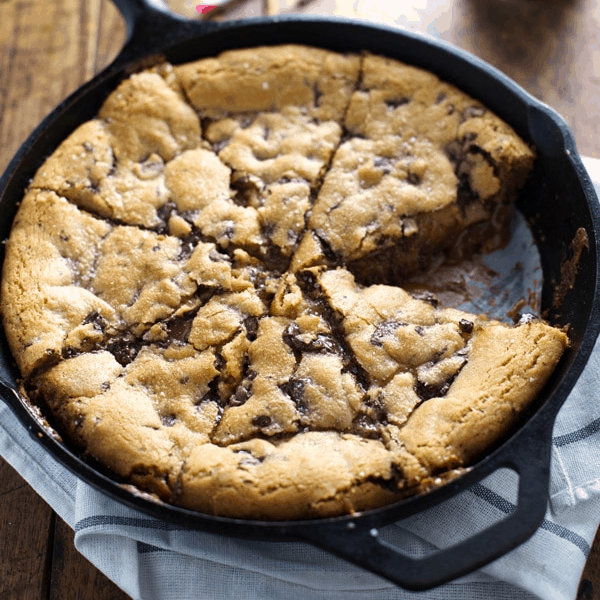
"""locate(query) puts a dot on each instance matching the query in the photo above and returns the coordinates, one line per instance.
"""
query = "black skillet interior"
(559, 201)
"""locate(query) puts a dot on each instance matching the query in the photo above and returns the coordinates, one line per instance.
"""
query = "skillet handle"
(149, 21)
(363, 546)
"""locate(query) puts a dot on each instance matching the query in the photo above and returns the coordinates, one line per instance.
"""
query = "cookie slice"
(163, 390)
(313, 474)
(507, 368)
(85, 170)
(114, 165)
(428, 172)
(269, 78)
(138, 420)
(149, 114)
(50, 260)
(378, 203)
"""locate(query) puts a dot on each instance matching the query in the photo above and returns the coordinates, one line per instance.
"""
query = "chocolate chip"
(204, 293)
(292, 336)
(113, 166)
(324, 343)
(454, 151)
(472, 112)
(248, 459)
(218, 146)
(395, 103)
(69, 352)
(227, 232)
(216, 256)
(317, 94)
(124, 349)
(168, 420)
(246, 120)
(294, 388)
(241, 396)
(164, 213)
(251, 325)
(96, 320)
(413, 179)
(466, 326)
(427, 297)
(178, 328)
(268, 229)
(308, 281)
(425, 391)
(383, 330)
(475, 149)
(364, 426)
(205, 123)
(325, 245)
(188, 243)
(394, 483)
(384, 163)
(151, 167)
(261, 421)
(247, 189)
(465, 193)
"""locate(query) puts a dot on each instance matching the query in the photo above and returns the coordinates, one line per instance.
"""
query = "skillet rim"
(562, 142)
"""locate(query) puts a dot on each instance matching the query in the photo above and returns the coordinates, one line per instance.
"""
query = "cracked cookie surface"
(203, 285)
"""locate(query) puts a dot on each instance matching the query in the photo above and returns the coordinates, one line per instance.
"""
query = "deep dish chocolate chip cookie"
(203, 287)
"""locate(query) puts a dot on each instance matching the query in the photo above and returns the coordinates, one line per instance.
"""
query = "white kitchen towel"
(155, 560)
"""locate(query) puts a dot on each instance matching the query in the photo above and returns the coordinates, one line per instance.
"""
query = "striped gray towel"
(156, 560)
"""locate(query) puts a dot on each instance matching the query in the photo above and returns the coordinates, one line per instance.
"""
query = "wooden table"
(49, 48)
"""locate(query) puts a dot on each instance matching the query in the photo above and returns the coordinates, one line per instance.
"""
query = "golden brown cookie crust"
(198, 286)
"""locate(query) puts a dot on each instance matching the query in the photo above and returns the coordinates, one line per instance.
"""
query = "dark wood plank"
(109, 35)
(533, 42)
(26, 523)
(69, 567)
(46, 55)
(589, 585)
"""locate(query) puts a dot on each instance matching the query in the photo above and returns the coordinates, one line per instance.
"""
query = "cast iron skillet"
(559, 202)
